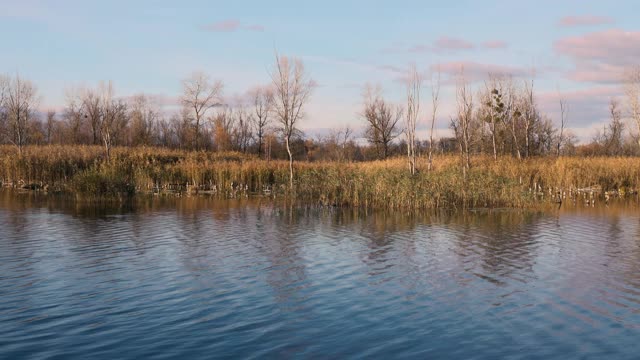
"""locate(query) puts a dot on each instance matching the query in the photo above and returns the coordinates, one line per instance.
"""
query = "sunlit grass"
(379, 184)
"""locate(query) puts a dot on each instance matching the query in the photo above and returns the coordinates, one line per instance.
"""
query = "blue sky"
(576, 47)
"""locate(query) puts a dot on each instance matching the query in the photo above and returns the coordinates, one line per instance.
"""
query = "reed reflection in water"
(193, 277)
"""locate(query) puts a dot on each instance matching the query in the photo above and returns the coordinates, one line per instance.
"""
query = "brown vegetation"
(84, 170)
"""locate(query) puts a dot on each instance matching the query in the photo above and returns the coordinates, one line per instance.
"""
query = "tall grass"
(83, 170)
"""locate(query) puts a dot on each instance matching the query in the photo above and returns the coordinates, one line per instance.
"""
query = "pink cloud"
(450, 43)
(599, 93)
(597, 73)
(495, 44)
(474, 71)
(222, 26)
(600, 56)
(444, 44)
(230, 25)
(585, 20)
(610, 45)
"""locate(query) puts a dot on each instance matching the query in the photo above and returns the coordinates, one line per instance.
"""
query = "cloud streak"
(231, 25)
(474, 71)
(495, 44)
(585, 20)
(451, 45)
(600, 57)
(446, 43)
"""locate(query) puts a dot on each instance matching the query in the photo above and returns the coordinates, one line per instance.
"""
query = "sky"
(577, 50)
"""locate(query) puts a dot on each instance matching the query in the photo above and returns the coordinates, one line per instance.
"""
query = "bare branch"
(292, 90)
(435, 100)
(200, 94)
(414, 85)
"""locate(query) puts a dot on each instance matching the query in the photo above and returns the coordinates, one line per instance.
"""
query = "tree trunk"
(413, 163)
(197, 133)
(493, 138)
(260, 136)
(467, 155)
(411, 154)
(638, 125)
(107, 146)
(526, 139)
(515, 140)
(290, 163)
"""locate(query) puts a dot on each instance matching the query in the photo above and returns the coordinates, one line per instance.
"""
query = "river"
(200, 278)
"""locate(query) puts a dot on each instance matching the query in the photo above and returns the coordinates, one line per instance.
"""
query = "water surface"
(197, 278)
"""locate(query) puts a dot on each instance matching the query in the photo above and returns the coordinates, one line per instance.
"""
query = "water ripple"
(202, 280)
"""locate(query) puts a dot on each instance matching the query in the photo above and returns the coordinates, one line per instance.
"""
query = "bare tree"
(382, 119)
(414, 85)
(345, 137)
(4, 90)
(113, 117)
(50, 125)
(435, 100)
(512, 115)
(20, 101)
(292, 90)
(144, 118)
(183, 128)
(223, 124)
(242, 132)
(269, 140)
(73, 115)
(611, 138)
(166, 131)
(529, 113)
(564, 110)
(545, 136)
(632, 90)
(492, 109)
(91, 108)
(200, 94)
(262, 99)
(336, 143)
(499, 111)
(462, 122)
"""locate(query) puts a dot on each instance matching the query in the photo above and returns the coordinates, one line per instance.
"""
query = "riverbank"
(508, 182)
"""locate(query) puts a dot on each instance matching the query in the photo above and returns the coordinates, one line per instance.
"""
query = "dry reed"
(381, 184)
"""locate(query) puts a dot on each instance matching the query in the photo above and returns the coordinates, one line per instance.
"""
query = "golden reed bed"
(508, 182)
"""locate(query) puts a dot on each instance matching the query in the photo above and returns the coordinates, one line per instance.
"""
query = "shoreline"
(82, 171)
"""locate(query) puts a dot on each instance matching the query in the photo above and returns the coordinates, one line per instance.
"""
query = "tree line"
(499, 117)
